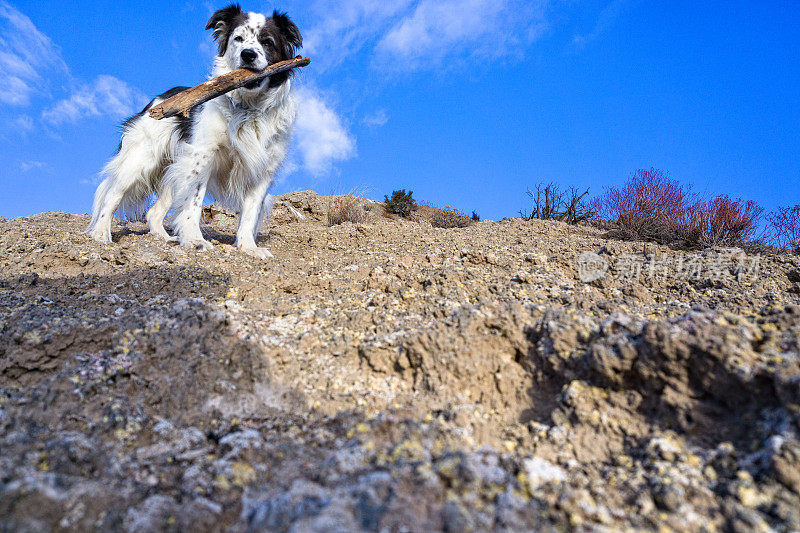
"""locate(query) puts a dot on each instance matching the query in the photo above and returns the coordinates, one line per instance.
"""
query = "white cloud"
(605, 20)
(26, 166)
(30, 62)
(445, 23)
(440, 29)
(14, 91)
(377, 119)
(27, 58)
(409, 35)
(107, 95)
(345, 28)
(23, 123)
(320, 135)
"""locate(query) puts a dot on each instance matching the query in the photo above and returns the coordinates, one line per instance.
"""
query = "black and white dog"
(230, 146)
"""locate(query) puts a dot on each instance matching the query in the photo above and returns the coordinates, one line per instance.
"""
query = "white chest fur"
(247, 143)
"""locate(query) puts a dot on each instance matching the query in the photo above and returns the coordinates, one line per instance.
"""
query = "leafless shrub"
(652, 206)
(783, 228)
(721, 222)
(550, 202)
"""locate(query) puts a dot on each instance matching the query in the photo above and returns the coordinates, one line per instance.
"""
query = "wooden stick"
(182, 103)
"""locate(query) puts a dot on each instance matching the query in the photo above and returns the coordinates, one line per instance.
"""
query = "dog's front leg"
(256, 203)
(188, 177)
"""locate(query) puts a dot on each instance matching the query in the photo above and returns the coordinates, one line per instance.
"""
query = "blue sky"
(467, 102)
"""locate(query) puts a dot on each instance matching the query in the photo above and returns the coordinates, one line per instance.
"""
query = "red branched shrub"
(721, 222)
(650, 205)
(784, 228)
(596, 207)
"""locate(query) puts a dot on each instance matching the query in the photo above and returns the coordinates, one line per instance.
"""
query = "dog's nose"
(249, 55)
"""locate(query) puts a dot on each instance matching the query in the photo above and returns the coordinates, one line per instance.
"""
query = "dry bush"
(401, 203)
(783, 228)
(721, 222)
(450, 218)
(550, 202)
(346, 208)
(596, 206)
(650, 206)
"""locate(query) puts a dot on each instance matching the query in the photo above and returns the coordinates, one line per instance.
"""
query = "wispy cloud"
(413, 35)
(605, 20)
(377, 119)
(23, 123)
(107, 95)
(346, 28)
(437, 30)
(320, 135)
(27, 58)
(26, 166)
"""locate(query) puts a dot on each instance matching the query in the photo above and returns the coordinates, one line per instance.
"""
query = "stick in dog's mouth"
(182, 103)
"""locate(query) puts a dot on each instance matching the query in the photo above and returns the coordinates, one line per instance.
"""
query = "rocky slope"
(393, 376)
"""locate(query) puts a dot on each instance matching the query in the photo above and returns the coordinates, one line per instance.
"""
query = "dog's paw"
(101, 235)
(198, 244)
(163, 235)
(258, 253)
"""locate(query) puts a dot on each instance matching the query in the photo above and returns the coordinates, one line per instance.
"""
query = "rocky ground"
(392, 376)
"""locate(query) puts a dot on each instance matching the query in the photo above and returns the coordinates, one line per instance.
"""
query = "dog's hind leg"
(100, 226)
(127, 182)
(155, 216)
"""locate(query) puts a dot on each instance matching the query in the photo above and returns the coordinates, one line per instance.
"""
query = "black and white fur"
(230, 146)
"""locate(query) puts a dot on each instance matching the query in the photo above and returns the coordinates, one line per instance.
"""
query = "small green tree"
(401, 203)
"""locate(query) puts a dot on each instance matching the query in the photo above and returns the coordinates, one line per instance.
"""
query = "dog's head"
(254, 41)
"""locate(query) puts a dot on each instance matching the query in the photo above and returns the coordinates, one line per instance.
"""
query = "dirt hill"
(394, 376)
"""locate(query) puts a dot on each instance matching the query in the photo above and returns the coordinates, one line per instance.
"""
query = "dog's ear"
(289, 31)
(222, 22)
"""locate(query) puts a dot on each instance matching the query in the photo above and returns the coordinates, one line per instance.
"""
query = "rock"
(669, 497)
(539, 471)
(235, 444)
(156, 513)
(303, 501)
(787, 465)
(456, 518)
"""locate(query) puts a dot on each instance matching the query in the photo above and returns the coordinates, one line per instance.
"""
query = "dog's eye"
(238, 39)
(268, 42)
